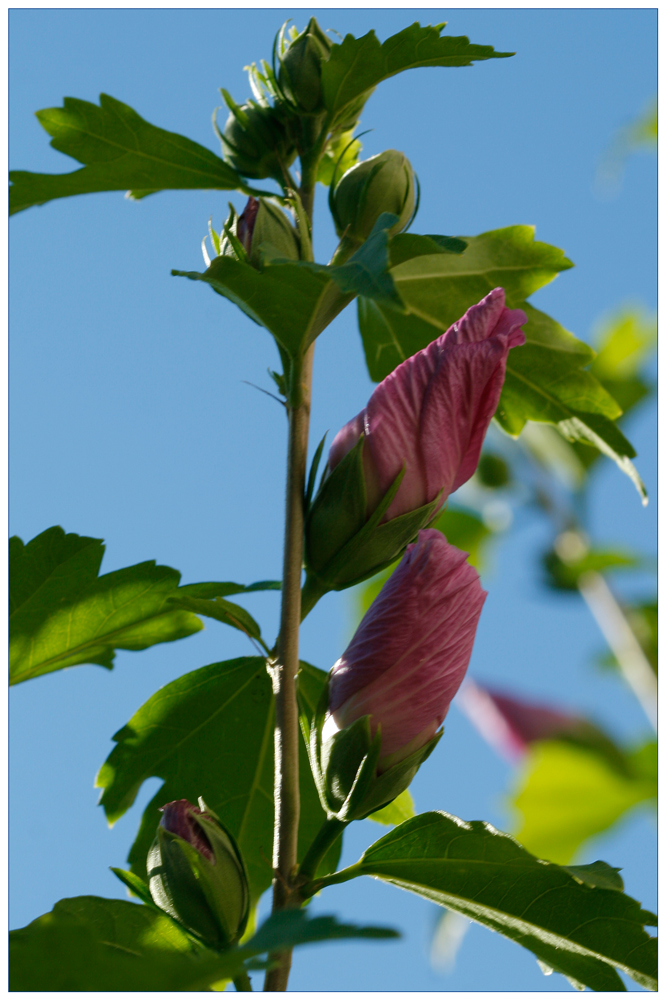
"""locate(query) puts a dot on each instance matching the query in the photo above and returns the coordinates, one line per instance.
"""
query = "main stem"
(285, 668)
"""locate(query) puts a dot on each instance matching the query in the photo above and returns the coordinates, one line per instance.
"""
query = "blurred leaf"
(462, 528)
(62, 614)
(625, 342)
(567, 794)
(580, 931)
(121, 151)
(210, 733)
(447, 939)
(357, 65)
(342, 152)
(564, 575)
(109, 945)
(395, 812)
(639, 135)
(291, 300)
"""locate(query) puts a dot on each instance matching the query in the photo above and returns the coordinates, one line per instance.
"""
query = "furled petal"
(410, 652)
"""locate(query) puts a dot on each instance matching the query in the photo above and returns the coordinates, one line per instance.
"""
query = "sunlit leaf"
(395, 812)
(210, 733)
(121, 152)
(583, 932)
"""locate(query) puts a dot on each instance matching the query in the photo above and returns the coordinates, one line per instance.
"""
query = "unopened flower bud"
(384, 183)
(263, 229)
(255, 141)
(300, 68)
(196, 873)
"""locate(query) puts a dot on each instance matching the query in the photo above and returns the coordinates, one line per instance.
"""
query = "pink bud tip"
(246, 221)
(179, 817)
(412, 648)
(432, 412)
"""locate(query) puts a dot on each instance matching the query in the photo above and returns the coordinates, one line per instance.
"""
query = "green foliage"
(564, 574)
(342, 152)
(566, 794)
(583, 932)
(210, 733)
(355, 67)
(108, 945)
(644, 621)
(293, 301)
(121, 152)
(61, 613)
(395, 812)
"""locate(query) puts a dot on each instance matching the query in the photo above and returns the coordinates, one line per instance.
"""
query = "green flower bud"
(384, 183)
(264, 229)
(197, 875)
(300, 68)
(255, 141)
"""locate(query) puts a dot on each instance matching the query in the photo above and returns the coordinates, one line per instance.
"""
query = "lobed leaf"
(121, 152)
(357, 65)
(584, 932)
(210, 733)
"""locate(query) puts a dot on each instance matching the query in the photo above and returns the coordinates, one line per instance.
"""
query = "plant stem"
(284, 669)
(242, 983)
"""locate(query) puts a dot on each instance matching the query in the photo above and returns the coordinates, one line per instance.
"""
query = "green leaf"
(223, 611)
(366, 272)
(406, 246)
(210, 733)
(598, 874)
(564, 574)
(136, 886)
(294, 301)
(583, 932)
(395, 812)
(342, 153)
(121, 152)
(109, 945)
(63, 614)
(438, 288)
(644, 622)
(566, 794)
(356, 66)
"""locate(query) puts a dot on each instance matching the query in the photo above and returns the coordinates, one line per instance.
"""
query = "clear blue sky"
(131, 420)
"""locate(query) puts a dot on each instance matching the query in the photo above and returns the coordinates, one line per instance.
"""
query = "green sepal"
(344, 766)
(338, 510)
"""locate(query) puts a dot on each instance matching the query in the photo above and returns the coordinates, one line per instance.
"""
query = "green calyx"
(210, 898)
(255, 141)
(299, 75)
(272, 237)
(344, 766)
(384, 183)
(343, 544)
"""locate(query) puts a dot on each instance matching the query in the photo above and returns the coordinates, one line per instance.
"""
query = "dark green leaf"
(207, 590)
(293, 301)
(567, 794)
(583, 932)
(63, 614)
(598, 874)
(108, 945)
(406, 246)
(210, 733)
(366, 272)
(223, 611)
(355, 67)
(121, 152)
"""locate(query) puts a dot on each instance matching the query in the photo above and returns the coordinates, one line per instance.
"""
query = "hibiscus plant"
(453, 343)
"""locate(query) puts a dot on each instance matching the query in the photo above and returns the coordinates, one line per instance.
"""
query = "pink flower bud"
(432, 412)
(510, 725)
(180, 817)
(410, 652)
(246, 221)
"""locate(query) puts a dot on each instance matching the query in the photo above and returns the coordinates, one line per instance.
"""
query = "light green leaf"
(121, 152)
(395, 812)
(108, 945)
(293, 301)
(342, 153)
(583, 932)
(63, 614)
(566, 794)
(210, 733)
(356, 66)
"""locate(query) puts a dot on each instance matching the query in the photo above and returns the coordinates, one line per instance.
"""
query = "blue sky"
(131, 419)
